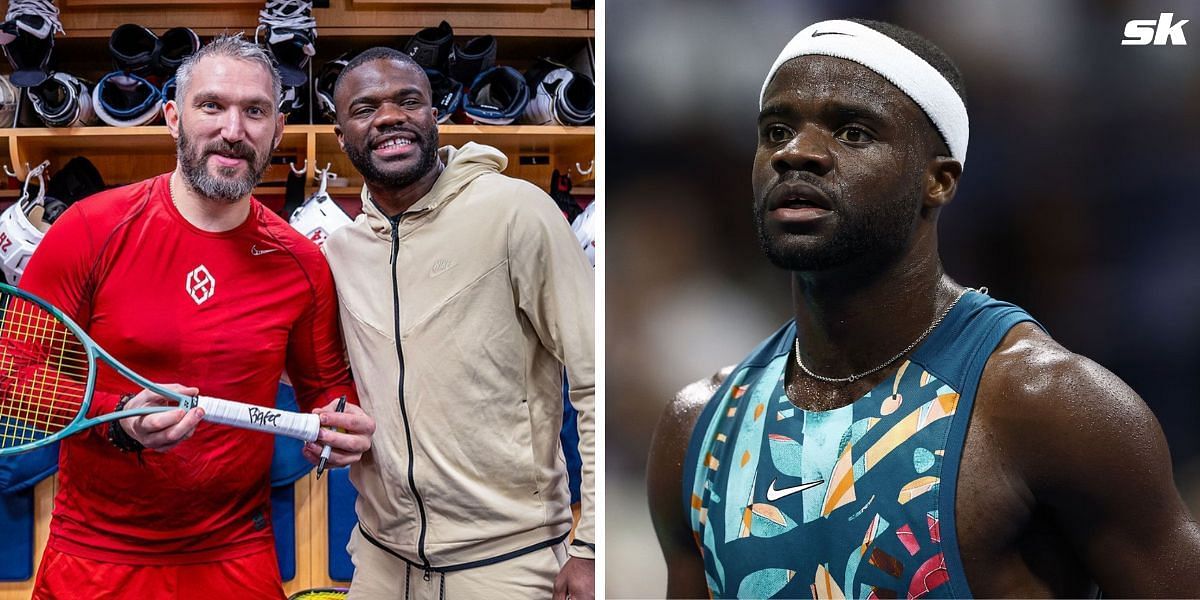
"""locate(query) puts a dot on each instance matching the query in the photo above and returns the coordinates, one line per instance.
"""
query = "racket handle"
(301, 426)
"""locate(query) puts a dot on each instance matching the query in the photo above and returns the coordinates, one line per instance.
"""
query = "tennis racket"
(48, 375)
(320, 594)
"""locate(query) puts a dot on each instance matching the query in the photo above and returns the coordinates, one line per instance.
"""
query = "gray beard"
(224, 189)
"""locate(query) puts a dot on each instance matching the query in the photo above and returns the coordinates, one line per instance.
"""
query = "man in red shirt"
(186, 277)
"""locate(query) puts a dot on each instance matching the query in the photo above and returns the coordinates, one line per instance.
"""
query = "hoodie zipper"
(412, 480)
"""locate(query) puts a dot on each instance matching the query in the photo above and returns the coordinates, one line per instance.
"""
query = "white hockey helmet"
(585, 231)
(318, 217)
(19, 237)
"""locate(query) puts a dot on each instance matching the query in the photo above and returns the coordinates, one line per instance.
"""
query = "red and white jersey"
(225, 312)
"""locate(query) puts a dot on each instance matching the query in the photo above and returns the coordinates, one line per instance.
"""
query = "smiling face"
(225, 127)
(386, 122)
(839, 170)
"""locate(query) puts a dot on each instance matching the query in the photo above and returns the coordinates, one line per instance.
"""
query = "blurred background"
(1079, 203)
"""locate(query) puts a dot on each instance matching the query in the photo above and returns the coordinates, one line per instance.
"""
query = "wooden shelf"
(541, 133)
(124, 155)
(435, 3)
(543, 18)
(85, 55)
(551, 147)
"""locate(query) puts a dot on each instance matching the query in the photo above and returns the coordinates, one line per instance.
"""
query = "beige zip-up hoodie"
(493, 295)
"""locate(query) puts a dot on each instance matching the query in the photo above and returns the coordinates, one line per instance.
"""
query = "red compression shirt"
(224, 312)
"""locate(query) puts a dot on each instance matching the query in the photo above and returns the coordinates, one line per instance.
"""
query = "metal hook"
(321, 173)
(591, 167)
(324, 174)
(39, 172)
(8, 170)
(292, 166)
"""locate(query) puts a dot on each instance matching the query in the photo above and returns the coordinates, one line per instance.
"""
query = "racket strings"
(320, 594)
(44, 372)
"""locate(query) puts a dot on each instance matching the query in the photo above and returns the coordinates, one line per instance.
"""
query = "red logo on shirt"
(200, 284)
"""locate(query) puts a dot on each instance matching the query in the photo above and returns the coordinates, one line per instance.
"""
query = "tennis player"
(186, 277)
(463, 295)
(905, 436)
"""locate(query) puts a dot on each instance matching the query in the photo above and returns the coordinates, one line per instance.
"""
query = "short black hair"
(370, 55)
(927, 50)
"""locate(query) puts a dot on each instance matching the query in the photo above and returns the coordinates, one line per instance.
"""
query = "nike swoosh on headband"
(775, 494)
(816, 33)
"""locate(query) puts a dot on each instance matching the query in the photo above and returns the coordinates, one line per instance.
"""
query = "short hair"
(230, 46)
(927, 50)
(371, 55)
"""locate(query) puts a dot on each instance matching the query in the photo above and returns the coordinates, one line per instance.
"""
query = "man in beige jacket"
(463, 294)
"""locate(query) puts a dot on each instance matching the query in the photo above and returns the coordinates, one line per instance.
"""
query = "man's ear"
(279, 122)
(941, 181)
(171, 114)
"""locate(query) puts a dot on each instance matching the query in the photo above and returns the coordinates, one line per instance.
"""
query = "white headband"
(899, 65)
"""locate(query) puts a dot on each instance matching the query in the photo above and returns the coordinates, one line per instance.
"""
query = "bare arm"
(1091, 450)
(664, 480)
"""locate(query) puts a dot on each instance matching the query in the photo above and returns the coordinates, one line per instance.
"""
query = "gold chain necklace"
(920, 338)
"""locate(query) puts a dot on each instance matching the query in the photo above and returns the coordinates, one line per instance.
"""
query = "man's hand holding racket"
(347, 433)
(162, 431)
(48, 377)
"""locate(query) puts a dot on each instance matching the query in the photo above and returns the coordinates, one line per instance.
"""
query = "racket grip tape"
(301, 426)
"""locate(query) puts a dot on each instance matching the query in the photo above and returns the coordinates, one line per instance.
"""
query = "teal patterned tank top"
(852, 502)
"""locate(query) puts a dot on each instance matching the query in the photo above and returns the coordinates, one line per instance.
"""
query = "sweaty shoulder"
(678, 420)
(1033, 371)
(665, 486)
(691, 400)
(1044, 400)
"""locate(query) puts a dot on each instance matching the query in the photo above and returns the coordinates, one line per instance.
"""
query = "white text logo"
(200, 284)
(1144, 32)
